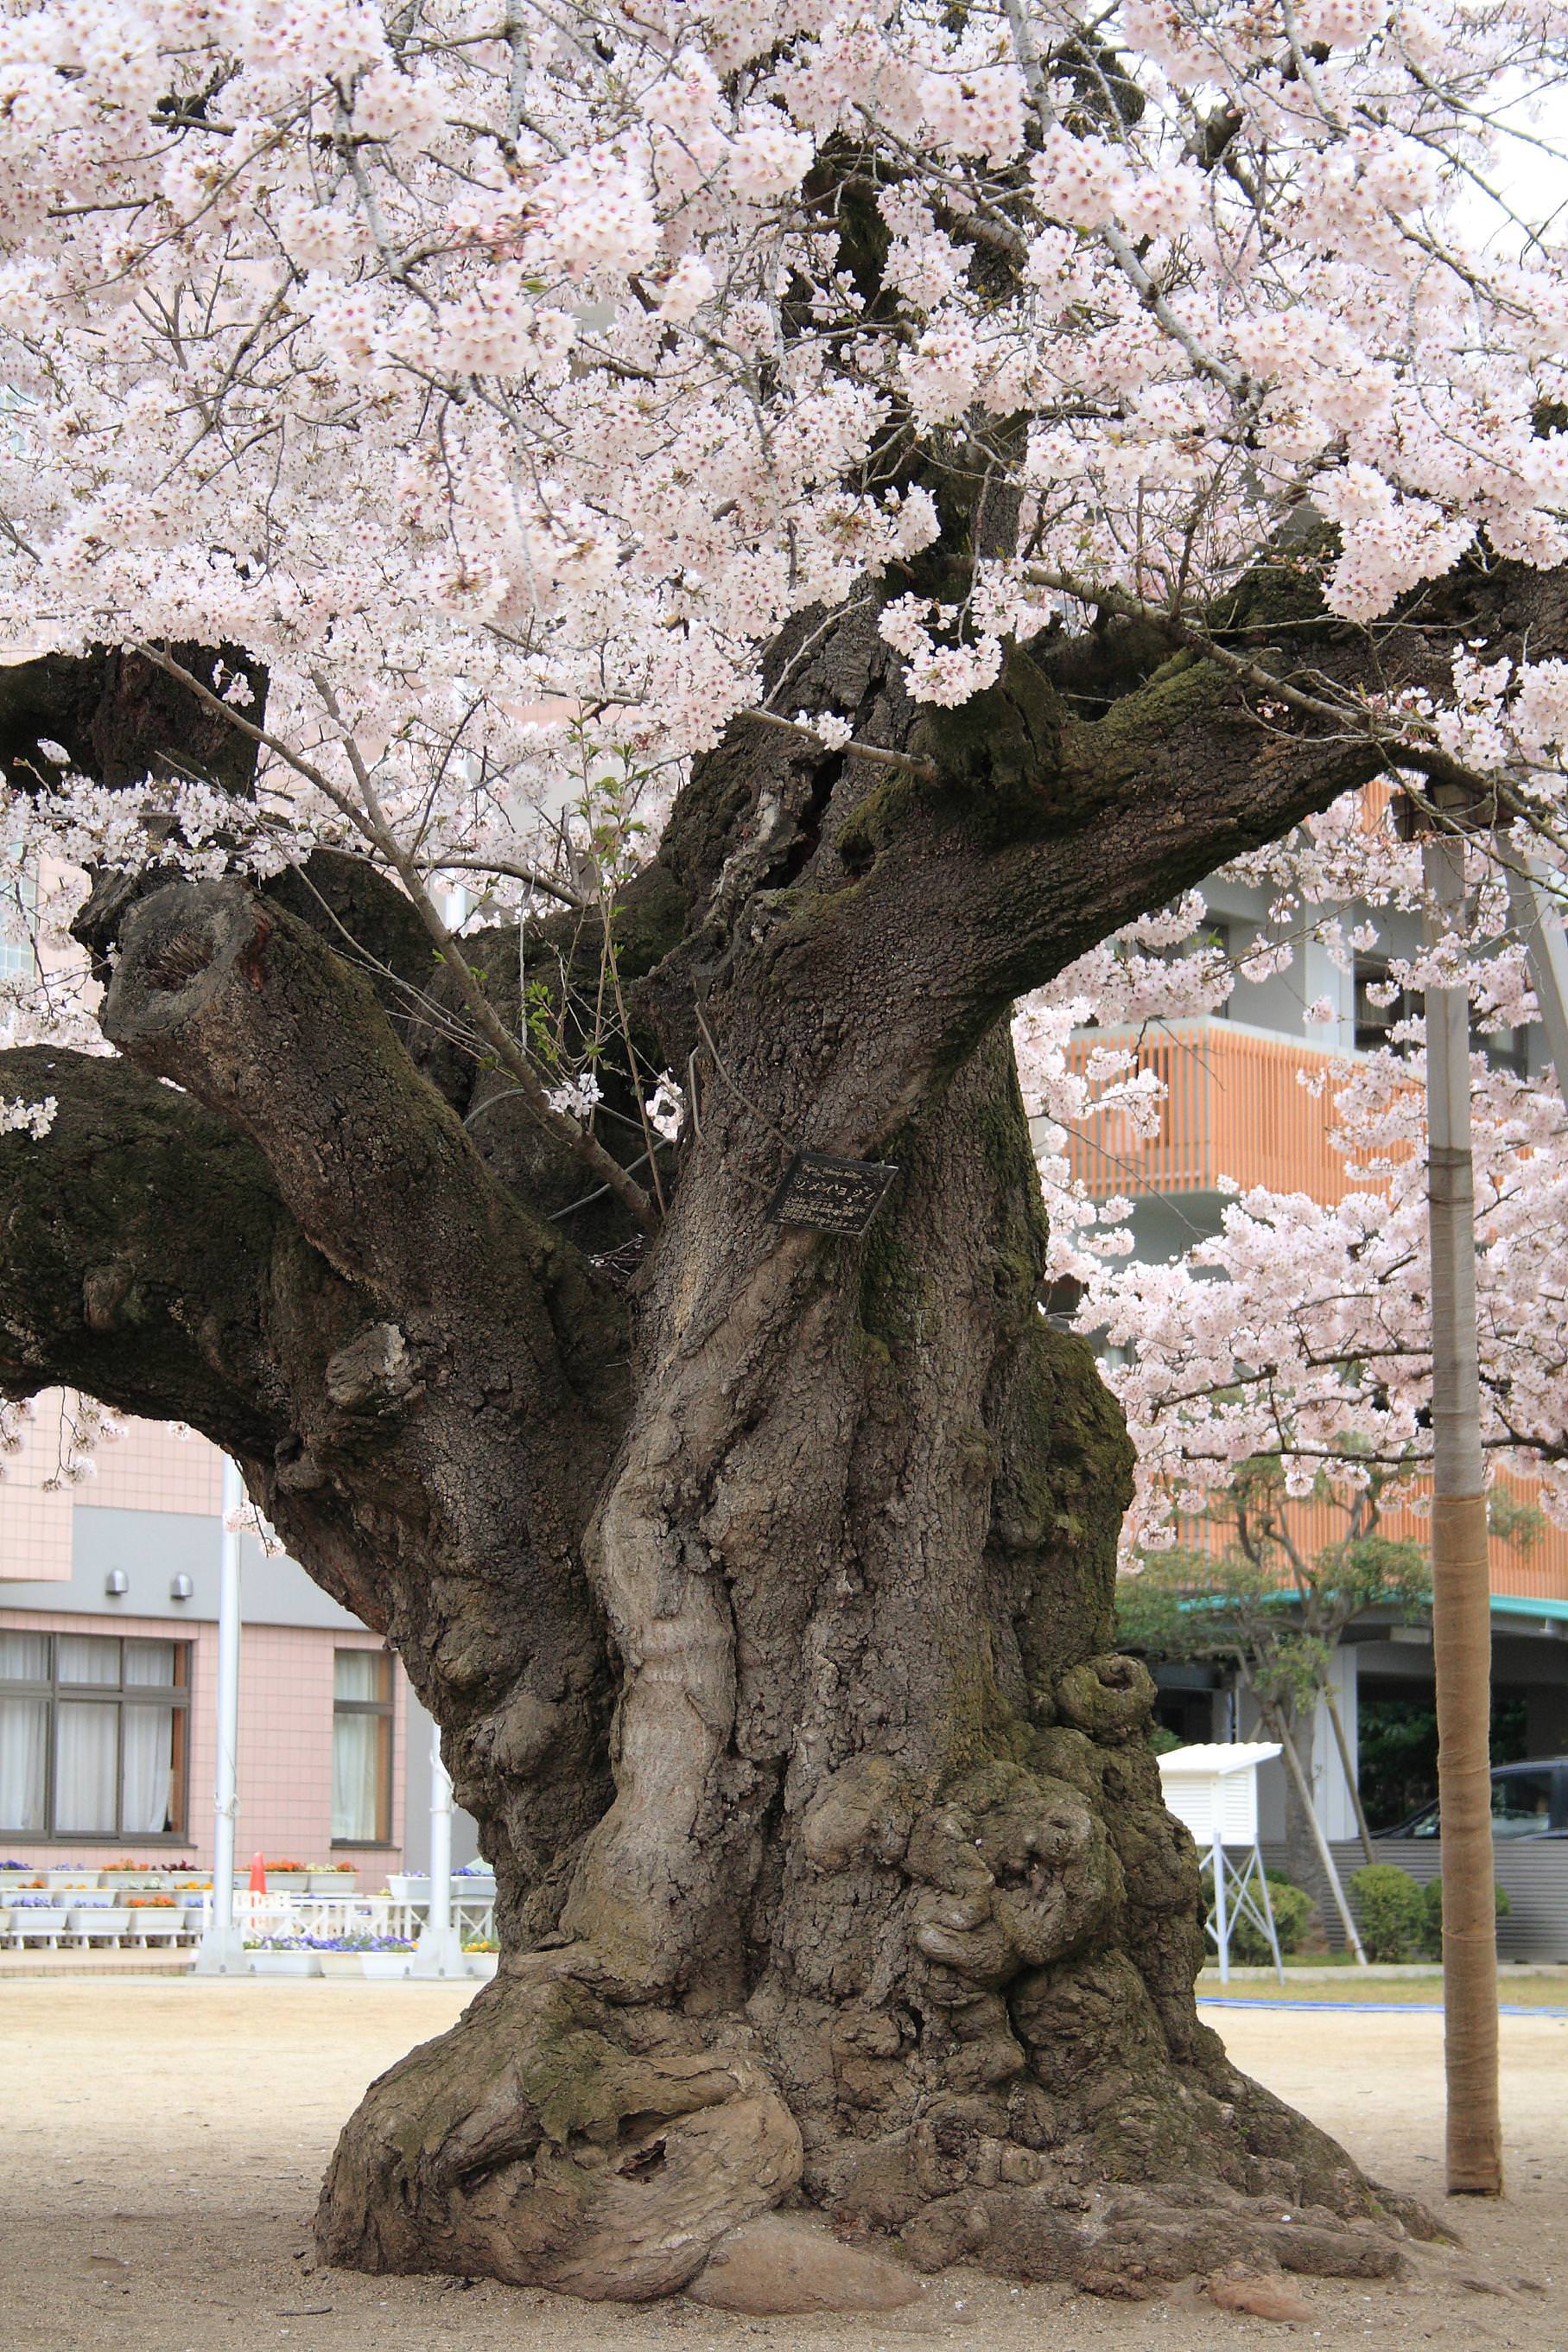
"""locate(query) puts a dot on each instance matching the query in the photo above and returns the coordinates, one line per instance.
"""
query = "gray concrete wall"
(151, 1547)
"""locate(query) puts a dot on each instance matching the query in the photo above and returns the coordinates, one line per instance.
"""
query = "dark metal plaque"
(833, 1196)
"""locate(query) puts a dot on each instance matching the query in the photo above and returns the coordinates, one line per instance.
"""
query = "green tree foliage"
(1260, 1602)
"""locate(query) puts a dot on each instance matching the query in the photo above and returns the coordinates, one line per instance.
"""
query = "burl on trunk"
(760, 1581)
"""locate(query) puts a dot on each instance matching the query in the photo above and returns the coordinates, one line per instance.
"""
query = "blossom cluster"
(489, 365)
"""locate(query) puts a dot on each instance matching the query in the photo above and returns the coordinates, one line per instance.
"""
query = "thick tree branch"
(143, 1240)
(1054, 829)
(229, 996)
(121, 719)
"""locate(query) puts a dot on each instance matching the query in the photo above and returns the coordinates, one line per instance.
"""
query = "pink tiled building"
(108, 1665)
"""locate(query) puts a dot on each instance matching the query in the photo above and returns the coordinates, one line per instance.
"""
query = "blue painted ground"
(1373, 2008)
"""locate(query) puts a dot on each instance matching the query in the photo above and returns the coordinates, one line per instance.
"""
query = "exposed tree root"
(551, 2141)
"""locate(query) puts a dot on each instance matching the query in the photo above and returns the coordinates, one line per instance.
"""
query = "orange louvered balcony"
(1235, 1104)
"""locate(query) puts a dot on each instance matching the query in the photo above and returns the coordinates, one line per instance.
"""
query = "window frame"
(385, 1708)
(53, 1689)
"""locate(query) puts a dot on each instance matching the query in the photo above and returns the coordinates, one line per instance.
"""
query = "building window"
(94, 1736)
(1379, 1005)
(1505, 1049)
(361, 1748)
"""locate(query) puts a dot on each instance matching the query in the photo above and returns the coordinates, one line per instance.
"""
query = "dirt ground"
(160, 2145)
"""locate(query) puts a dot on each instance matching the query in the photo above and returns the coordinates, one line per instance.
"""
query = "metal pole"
(1461, 1572)
(221, 1949)
(1221, 1923)
(439, 1951)
(1538, 923)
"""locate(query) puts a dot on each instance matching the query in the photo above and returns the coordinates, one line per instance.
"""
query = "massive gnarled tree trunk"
(763, 1594)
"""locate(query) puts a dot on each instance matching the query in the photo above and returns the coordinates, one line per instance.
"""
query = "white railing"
(260, 1916)
(257, 1917)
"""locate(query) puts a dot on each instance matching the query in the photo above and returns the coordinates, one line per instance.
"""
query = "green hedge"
(1432, 1915)
(1399, 1920)
(1291, 1910)
(1390, 1912)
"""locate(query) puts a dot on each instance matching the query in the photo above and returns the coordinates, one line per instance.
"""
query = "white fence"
(63, 1924)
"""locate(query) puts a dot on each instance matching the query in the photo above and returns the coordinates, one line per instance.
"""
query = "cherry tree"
(595, 595)
(1301, 1331)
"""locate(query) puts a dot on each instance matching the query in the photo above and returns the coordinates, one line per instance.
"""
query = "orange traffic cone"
(257, 1874)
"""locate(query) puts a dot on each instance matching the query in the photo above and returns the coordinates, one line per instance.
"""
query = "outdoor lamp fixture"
(180, 1588)
(116, 1582)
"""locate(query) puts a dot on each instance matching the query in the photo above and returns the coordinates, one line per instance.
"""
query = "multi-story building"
(1237, 1108)
(108, 1678)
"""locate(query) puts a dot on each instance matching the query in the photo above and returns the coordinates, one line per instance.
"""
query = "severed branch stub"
(830, 1194)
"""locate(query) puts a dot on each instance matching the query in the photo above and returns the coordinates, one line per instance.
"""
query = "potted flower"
(386, 1956)
(334, 1878)
(70, 1878)
(286, 1878)
(408, 1886)
(154, 1915)
(98, 1915)
(37, 1913)
(283, 1955)
(482, 1953)
(139, 1875)
(344, 1955)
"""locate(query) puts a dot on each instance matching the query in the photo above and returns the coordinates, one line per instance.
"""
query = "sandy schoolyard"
(160, 2145)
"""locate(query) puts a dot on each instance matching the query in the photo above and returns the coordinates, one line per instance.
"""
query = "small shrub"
(1390, 1912)
(1163, 1739)
(1432, 1917)
(1292, 1909)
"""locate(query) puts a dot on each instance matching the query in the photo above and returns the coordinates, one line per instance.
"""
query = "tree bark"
(765, 1605)
(887, 1911)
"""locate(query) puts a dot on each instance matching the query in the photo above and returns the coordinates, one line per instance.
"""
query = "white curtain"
(357, 1674)
(150, 1664)
(87, 1658)
(85, 1746)
(24, 1734)
(356, 1775)
(149, 1767)
(24, 1657)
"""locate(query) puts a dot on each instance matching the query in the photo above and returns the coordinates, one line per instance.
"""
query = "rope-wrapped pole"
(1461, 1597)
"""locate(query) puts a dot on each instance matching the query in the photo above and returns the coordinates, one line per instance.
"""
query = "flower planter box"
(481, 1964)
(342, 1965)
(135, 1882)
(108, 1919)
(473, 1886)
(287, 1882)
(334, 1882)
(405, 1887)
(39, 1920)
(286, 1964)
(382, 1965)
(83, 1881)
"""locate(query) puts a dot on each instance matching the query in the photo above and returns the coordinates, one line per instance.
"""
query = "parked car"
(1527, 1801)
